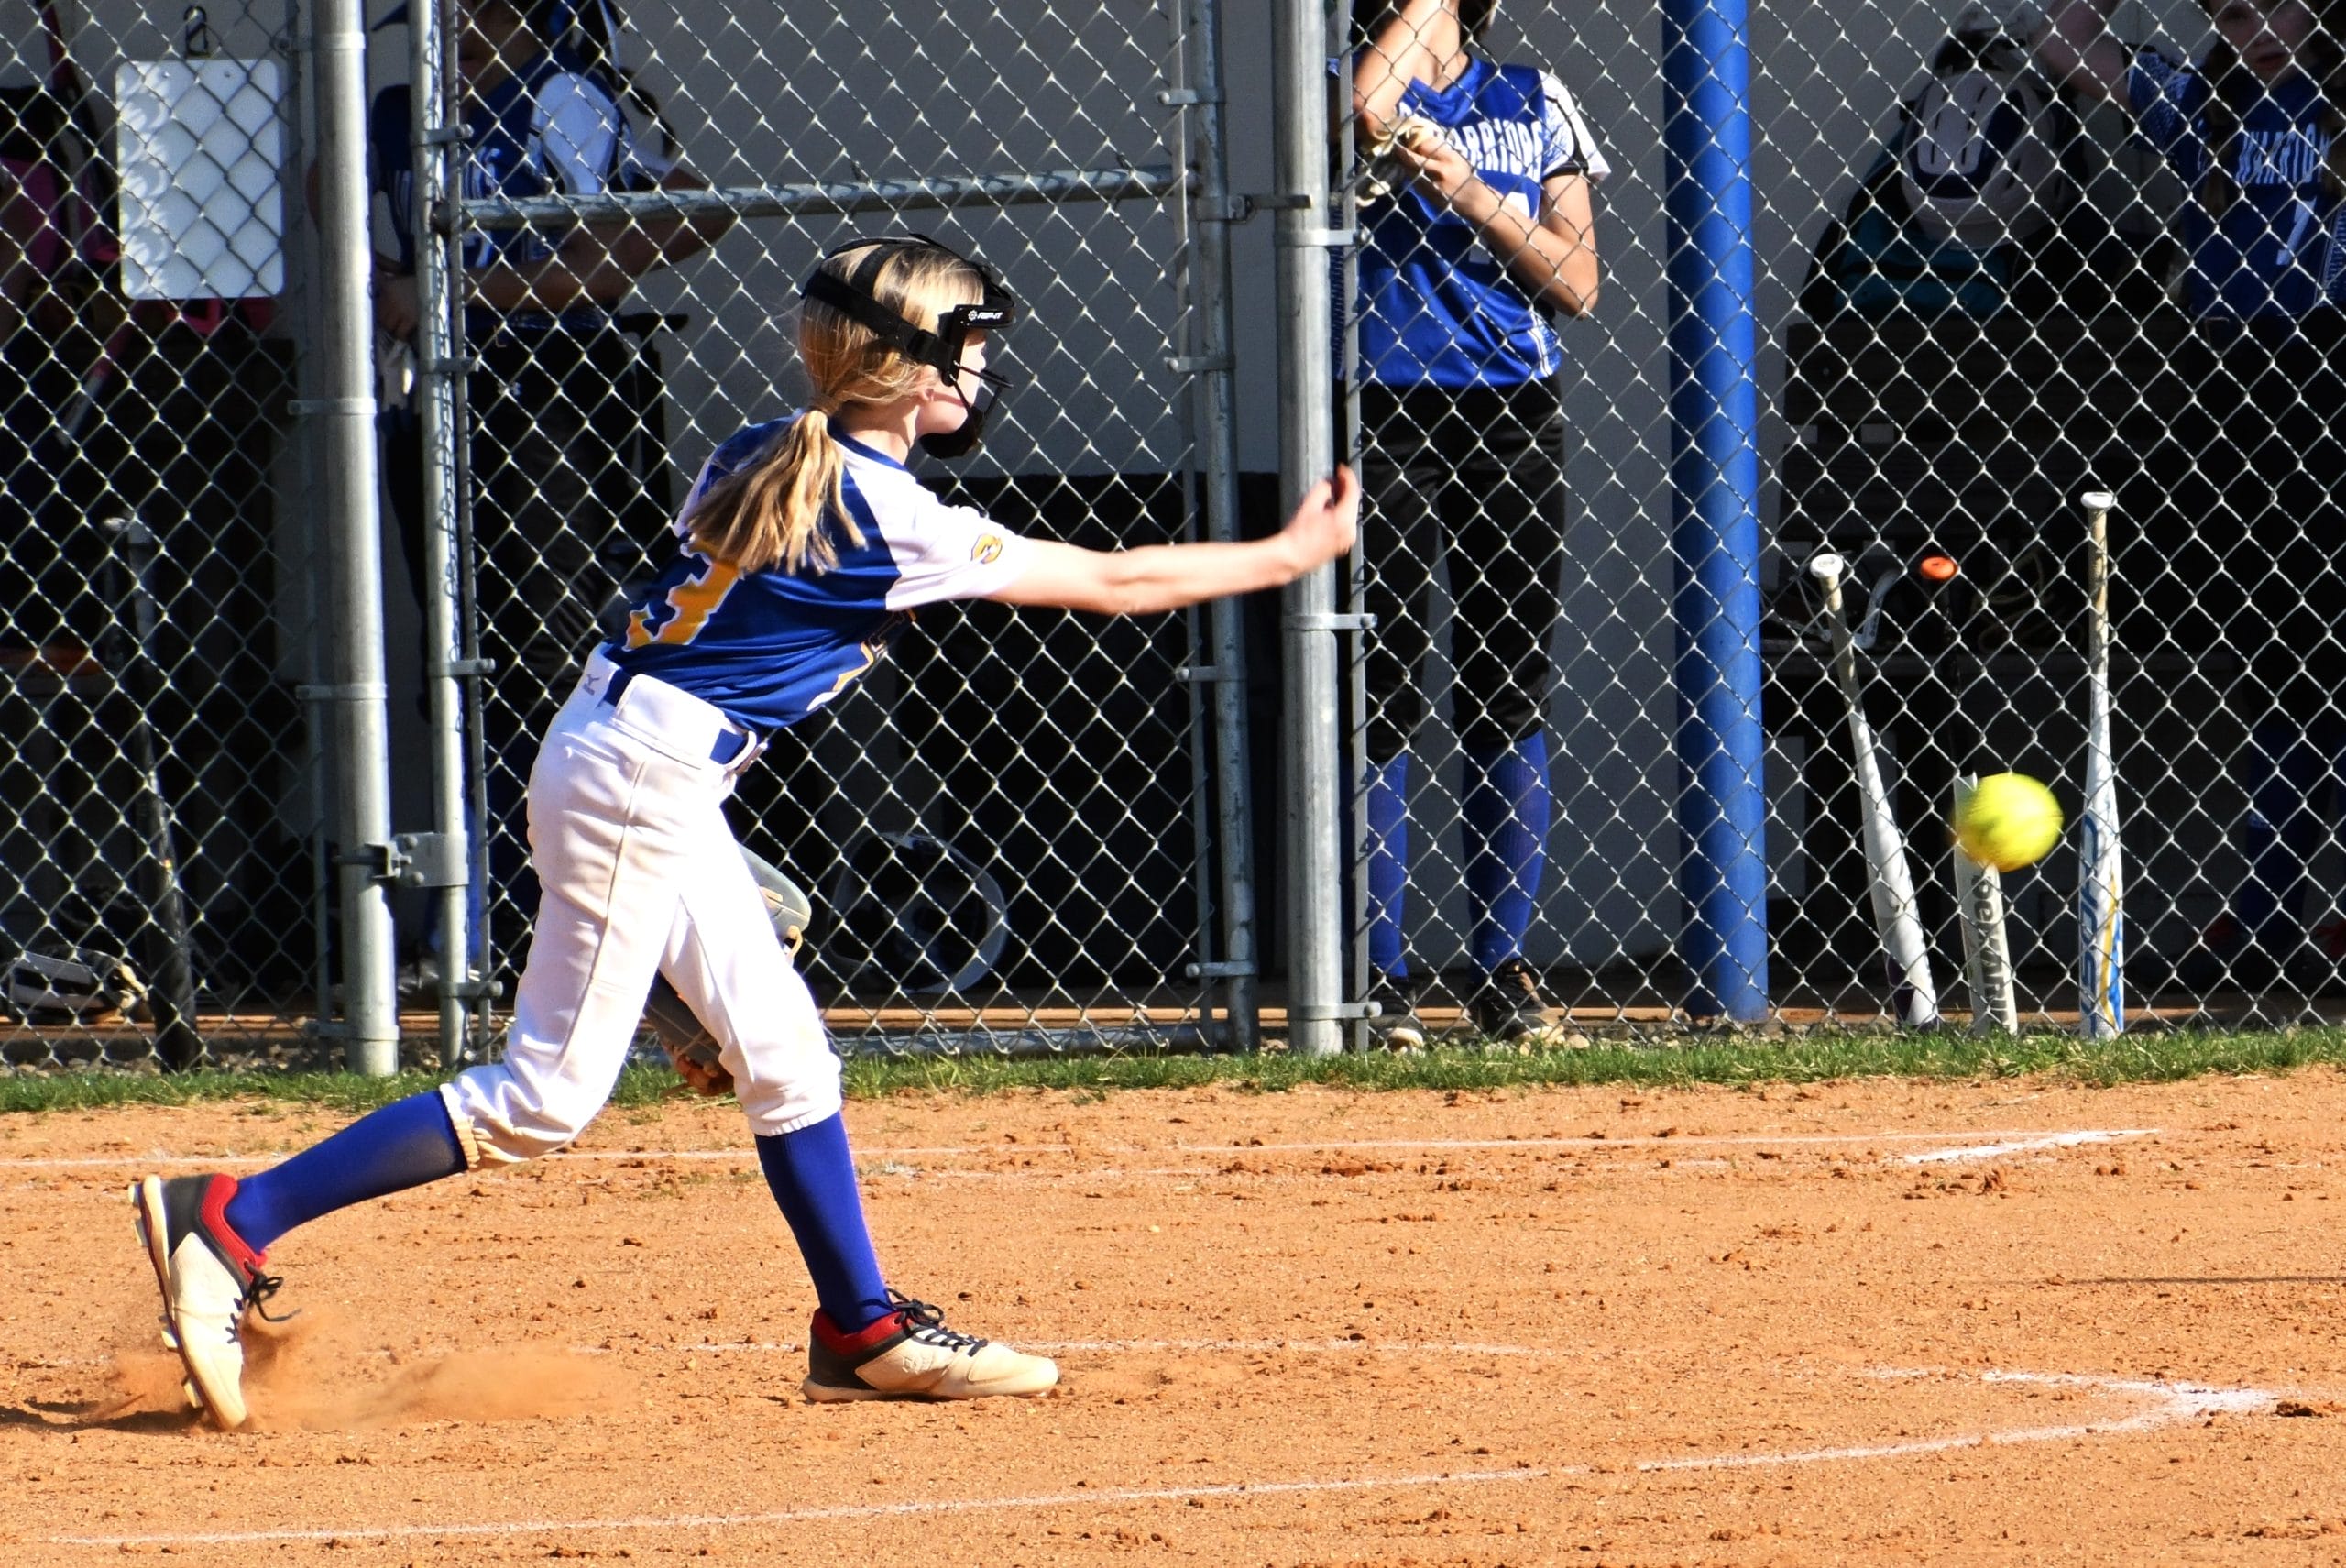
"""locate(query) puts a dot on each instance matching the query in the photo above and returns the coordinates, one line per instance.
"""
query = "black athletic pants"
(1478, 474)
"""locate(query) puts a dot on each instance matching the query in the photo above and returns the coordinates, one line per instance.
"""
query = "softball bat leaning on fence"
(1987, 945)
(1891, 884)
(2101, 934)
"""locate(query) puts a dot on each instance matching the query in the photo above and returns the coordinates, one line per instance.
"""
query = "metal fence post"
(1715, 474)
(1307, 454)
(341, 397)
(1217, 441)
(440, 361)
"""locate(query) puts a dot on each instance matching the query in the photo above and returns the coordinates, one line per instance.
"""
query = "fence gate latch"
(385, 863)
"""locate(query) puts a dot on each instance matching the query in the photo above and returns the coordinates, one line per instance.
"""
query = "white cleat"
(208, 1277)
(911, 1355)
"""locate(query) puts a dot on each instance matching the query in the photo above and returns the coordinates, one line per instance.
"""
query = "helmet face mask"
(940, 350)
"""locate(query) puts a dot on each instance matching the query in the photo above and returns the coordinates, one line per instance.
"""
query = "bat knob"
(2098, 500)
(1824, 566)
(1937, 568)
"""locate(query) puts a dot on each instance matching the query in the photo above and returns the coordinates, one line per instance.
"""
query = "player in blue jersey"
(1489, 231)
(806, 546)
(2253, 131)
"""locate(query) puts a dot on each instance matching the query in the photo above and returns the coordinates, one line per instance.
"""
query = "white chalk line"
(1051, 1347)
(1137, 1346)
(2023, 1146)
(2019, 1138)
(2170, 1404)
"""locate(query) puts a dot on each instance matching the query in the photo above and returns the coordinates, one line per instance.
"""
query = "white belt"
(677, 719)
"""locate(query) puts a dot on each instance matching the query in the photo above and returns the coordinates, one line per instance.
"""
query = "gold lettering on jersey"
(694, 601)
(873, 646)
(987, 550)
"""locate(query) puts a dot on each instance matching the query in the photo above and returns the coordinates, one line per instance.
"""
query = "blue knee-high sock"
(813, 1177)
(1386, 801)
(1506, 812)
(403, 1145)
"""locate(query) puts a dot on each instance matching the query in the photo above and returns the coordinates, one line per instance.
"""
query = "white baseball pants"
(640, 874)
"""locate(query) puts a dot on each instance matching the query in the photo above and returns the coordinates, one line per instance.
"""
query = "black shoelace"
(928, 1325)
(260, 1289)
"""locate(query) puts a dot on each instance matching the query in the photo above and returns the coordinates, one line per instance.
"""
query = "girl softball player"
(806, 546)
(1461, 449)
(2252, 132)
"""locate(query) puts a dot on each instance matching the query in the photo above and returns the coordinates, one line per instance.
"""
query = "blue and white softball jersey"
(2275, 251)
(551, 128)
(1435, 306)
(771, 647)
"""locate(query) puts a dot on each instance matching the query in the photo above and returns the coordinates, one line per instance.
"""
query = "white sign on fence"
(200, 148)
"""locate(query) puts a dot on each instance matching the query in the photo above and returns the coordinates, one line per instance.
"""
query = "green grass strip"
(1808, 1056)
(89, 1089)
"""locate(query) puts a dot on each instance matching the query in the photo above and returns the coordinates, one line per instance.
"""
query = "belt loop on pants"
(674, 714)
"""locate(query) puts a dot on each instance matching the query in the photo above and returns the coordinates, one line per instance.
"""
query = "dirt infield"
(1867, 1322)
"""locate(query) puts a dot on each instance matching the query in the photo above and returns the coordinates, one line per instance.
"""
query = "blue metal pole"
(1714, 477)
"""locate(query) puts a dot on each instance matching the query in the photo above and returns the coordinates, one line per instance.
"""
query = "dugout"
(1909, 436)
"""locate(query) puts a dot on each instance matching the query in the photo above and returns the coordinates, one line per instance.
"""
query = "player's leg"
(867, 1341)
(1507, 510)
(1399, 470)
(613, 824)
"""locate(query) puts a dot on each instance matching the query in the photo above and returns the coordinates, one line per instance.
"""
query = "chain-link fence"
(1998, 259)
(1637, 326)
(156, 854)
(1004, 824)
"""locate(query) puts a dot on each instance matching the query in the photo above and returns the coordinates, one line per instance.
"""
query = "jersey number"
(690, 603)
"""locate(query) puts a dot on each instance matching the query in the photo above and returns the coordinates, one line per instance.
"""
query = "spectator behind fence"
(2252, 132)
(1985, 194)
(559, 391)
(1483, 225)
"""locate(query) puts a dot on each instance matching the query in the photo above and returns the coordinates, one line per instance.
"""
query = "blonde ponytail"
(770, 511)
(773, 510)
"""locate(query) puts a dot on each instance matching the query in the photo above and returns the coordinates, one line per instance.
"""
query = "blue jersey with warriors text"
(551, 129)
(771, 647)
(2275, 250)
(1435, 306)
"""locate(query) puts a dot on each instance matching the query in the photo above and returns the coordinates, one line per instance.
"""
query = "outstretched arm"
(1169, 577)
(2076, 46)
